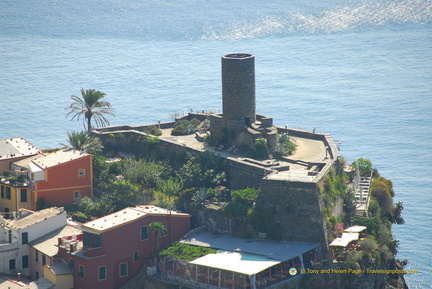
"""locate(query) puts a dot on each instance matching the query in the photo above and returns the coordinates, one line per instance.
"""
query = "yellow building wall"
(15, 196)
(61, 281)
(24, 205)
(6, 203)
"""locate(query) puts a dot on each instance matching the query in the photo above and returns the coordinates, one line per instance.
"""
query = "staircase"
(362, 196)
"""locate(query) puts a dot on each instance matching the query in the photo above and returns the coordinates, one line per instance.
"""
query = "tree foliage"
(382, 192)
(204, 170)
(364, 166)
(90, 106)
(171, 188)
(142, 172)
(96, 207)
(242, 201)
(84, 141)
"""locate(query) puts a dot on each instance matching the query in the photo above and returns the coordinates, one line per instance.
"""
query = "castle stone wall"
(243, 175)
(297, 206)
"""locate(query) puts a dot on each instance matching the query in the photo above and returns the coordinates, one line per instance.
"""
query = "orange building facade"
(66, 181)
(44, 179)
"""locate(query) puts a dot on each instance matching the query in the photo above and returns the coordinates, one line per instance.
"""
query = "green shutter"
(136, 256)
(102, 273)
(87, 240)
(25, 261)
(123, 269)
(97, 241)
(24, 238)
(144, 233)
(81, 272)
(23, 195)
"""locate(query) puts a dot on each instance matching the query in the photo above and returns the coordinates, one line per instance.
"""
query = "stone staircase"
(362, 196)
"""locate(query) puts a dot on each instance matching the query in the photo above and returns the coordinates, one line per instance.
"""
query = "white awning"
(345, 239)
(355, 229)
(239, 262)
(339, 242)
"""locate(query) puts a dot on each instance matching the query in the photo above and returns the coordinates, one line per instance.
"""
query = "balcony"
(15, 181)
(94, 252)
(8, 246)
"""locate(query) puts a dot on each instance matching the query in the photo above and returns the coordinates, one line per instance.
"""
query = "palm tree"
(157, 228)
(83, 141)
(90, 106)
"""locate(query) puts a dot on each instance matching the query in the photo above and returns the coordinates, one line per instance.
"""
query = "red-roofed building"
(115, 247)
(59, 178)
(14, 149)
(62, 177)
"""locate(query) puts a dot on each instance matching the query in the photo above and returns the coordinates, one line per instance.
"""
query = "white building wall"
(16, 249)
(7, 253)
(41, 229)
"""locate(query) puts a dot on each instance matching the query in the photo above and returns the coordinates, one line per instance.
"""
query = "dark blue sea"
(359, 70)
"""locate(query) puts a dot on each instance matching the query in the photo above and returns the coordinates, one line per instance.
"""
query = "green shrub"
(153, 130)
(185, 127)
(186, 252)
(241, 201)
(369, 244)
(386, 254)
(260, 146)
(382, 192)
(285, 146)
(180, 130)
(21, 178)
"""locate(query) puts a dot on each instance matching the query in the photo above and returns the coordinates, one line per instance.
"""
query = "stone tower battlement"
(238, 87)
(239, 125)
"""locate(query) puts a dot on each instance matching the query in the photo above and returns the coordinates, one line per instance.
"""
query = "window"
(81, 173)
(3, 192)
(23, 193)
(12, 264)
(8, 193)
(43, 259)
(6, 213)
(77, 195)
(87, 239)
(123, 269)
(144, 233)
(97, 241)
(37, 256)
(136, 256)
(25, 261)
(102, 273)
(81, 273)
(71, 263)
(24, 238)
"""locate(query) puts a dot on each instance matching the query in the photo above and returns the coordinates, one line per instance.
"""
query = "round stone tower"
(238, 87)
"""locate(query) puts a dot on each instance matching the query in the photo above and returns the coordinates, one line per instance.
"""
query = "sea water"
(359, 70)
